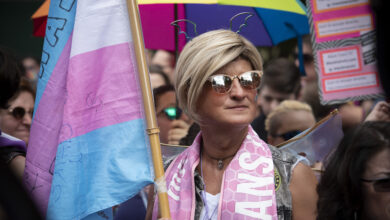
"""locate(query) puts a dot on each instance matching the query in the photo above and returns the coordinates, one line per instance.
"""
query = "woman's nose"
(237, 91)
(27, 119)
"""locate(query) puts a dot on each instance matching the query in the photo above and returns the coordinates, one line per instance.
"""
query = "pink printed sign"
(340, 19)
(345, 72)
(344, 50)
(340, 60)
(320, 6)
(350, 82)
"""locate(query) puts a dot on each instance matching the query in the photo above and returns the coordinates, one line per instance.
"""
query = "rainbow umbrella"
(273, 21)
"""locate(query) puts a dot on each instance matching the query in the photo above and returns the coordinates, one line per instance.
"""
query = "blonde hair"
(272, 123)
(203, 56)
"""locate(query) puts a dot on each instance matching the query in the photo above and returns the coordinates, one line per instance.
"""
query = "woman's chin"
(23, 136)
(238, 122)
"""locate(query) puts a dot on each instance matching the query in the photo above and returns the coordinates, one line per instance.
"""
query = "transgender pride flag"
(88, 148)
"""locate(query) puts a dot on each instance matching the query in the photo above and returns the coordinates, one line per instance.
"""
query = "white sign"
(341, 61)
(332, 4)
(352, 82)
(344, 25)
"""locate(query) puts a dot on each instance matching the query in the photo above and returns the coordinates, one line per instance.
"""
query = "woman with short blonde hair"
(204, 55)
(229, 172)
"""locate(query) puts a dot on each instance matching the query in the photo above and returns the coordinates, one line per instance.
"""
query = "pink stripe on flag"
(81, 95)
(100, 95)
(44, 129)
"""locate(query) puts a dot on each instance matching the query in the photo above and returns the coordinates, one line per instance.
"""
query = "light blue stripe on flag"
(99, 169)
(59, 28)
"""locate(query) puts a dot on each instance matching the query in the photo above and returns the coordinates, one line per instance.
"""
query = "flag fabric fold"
(88, 148)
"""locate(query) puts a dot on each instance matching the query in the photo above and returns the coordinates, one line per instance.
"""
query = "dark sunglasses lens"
(382, 185)
(288, 135)
(250, 80)
(307, 58)
(221, 83)
(18, 112)
(173, 113)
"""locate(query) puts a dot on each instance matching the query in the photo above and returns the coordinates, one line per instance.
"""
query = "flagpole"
(150, 114)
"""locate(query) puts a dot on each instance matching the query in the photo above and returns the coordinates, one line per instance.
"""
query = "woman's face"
(19, 128)
(376, 204)
(236, 107)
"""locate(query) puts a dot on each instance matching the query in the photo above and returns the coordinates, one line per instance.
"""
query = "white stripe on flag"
(94, 17)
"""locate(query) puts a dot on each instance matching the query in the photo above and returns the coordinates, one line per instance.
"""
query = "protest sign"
(343, 40)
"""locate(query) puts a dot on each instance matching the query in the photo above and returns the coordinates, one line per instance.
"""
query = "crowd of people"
(231, 109)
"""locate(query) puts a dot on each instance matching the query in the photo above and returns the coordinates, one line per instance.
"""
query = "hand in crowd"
(179, 129)
(380, 112)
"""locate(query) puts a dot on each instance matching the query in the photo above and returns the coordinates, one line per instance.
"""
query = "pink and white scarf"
(247, 190)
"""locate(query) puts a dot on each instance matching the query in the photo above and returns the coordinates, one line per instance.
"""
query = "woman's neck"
(220, 144)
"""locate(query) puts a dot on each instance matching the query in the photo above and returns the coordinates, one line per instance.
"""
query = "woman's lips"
(238, 107)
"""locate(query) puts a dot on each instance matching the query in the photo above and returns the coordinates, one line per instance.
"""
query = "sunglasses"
(288, 135)
(172, 113)
(223, 83)
(307, 58)
(19, 112)
(380, 185)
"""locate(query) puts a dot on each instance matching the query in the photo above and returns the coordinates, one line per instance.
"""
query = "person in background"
(157, 76)
(31, 67)
(173, 123)
(216, 79)
(16, 119)
(351, 113)
(281, 81)
(310, 96)
(173, 126)
(166, 60)
(380, 112)
(288, 120)
(356, 181)
(15, 203)
(12, 150)
(308, 62)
